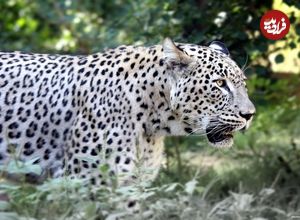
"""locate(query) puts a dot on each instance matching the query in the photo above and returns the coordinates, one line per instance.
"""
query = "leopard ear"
(219, 46)
(174, 57)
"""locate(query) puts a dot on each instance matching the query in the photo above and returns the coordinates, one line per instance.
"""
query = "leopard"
(73, 114)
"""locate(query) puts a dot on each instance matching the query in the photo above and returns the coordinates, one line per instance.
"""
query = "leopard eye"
(221, 82)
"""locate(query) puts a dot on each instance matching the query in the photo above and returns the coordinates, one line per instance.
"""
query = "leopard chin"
(225, 143)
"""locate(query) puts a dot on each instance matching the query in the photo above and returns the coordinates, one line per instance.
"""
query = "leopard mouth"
(220, 135)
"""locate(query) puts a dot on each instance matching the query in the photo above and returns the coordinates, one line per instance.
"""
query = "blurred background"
(268, 154)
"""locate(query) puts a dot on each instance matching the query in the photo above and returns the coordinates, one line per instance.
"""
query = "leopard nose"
(246, 115)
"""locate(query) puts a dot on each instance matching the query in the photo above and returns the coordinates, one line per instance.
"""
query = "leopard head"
(208, 91)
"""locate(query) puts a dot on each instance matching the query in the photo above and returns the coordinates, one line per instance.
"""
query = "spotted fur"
(74, 114)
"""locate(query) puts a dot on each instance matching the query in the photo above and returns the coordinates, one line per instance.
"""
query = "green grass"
(203, 197)
(70, 199)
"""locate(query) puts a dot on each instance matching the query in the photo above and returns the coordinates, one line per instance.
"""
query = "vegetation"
(256, 179)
